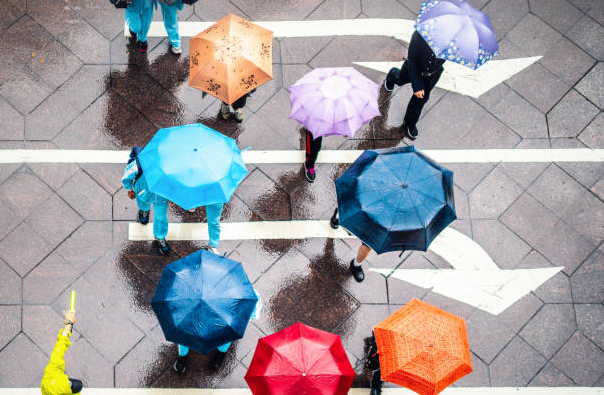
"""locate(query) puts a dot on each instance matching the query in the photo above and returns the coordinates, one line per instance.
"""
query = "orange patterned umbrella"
(423, 348)
(230, 58)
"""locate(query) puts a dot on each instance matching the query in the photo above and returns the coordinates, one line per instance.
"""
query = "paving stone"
(25, 37)
(8, 15)
(11, 323)
(559, 14)
(586, 282)
(145, 362)
(592, 136)
(545, 232)
(479, 376)
(10, 285)
(467, 176)
(285, 10)
(533, 35)
(567, 61)
(8, 219)
(42, 324)
(515, 365)
(349, 49)
(550, 376)
(570, 116)
(47, 280)
(518, 314)
(43, 123)
(97, 322)
(218, 10)
(85, 42)
(336, 9)
(53, 174)
(550, 328)
(301, 50)
(359, 326)
(87, 197)
(571, 202)
(47, 13)
(592, 7)
(506, 249)
(24, 361)
(555, 290)
(590, 85)
(505, 15)
(103, 16)
(78, 248)
(55, 64)
(386, 9)
(590, 320)
(515, 111)
(493, 195)
(22, 259)
(539, 86)
(588, 34)
(578, 348)
(24, 90)
(86, 85)
(11, 123)
(264, 197)
(87, 364)
(487, 335)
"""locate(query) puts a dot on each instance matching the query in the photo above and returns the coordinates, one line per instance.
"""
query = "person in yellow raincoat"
(55, 381)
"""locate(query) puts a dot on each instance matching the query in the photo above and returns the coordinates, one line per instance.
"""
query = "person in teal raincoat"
(55, 381)
(138, 189)
(139, 15)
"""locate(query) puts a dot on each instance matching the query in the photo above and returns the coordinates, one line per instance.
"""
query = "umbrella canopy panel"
(423, 348)
(396, 199)
(330, 101)
(203, 301)
(192, 165)
(457, 32)
(231, 58)
(300, 360)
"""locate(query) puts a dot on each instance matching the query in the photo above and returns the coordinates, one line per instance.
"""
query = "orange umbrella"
(230, 58)
(423, 348)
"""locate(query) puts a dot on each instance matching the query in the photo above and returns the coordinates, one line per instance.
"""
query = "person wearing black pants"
(423, 69)
(237, 107)
(313, 146)
(373, 363)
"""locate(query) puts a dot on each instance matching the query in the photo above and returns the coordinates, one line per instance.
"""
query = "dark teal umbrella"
(396, 199)
(203, 301)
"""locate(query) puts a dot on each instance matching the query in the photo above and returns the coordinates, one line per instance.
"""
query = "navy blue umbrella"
(203, 301)
(396, 199)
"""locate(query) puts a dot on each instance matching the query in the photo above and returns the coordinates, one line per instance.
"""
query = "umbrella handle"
(402, 252)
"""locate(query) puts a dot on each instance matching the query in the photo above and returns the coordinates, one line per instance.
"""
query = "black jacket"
(421, 59)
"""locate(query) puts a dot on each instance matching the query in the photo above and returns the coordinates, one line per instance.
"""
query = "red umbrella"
(300, 360)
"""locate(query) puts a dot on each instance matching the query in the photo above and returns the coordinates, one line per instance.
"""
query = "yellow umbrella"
(231, 58)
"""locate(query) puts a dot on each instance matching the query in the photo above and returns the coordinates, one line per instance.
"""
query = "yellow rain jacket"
(55, 381)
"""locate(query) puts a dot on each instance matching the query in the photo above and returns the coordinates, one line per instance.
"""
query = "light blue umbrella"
(192, 165)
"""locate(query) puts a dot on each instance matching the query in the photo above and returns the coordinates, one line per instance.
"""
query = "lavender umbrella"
(457, 32)
(334, 101)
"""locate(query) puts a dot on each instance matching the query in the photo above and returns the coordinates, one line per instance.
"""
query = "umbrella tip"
(405, 185)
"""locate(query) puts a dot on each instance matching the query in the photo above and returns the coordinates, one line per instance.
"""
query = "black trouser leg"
(376, 379)
(415, 106)
(313, 146)
(240, 103)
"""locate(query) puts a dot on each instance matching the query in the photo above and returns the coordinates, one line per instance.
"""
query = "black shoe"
(357, 272)
(217, 360)
(164, 248)
(334, 221)
(180, 365)
(389, 86)
(310, 174)
(142, 46)
(132, 35)
(375, 391)
(143, 217)
(412, 131)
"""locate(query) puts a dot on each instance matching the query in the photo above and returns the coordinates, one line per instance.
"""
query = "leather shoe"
(334, 222)
(410, 131)
(357, 272)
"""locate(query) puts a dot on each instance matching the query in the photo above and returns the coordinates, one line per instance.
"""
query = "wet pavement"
(69, 79)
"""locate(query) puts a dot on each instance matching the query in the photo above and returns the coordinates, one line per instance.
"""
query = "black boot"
(334, 221)
(357, 272)
(143, 217)
(180, 365)
(164, 248)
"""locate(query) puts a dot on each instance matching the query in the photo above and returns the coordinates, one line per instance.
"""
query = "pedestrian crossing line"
(353, 391)
(325, 156)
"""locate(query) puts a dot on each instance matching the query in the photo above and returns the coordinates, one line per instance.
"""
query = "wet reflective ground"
(69, 79)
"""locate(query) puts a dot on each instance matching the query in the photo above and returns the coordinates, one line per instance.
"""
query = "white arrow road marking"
(456, 78)
(325, 156)
(353, 391)
(463, 80)
(475, 279)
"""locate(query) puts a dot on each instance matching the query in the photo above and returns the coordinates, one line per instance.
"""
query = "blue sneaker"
(143, 217)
